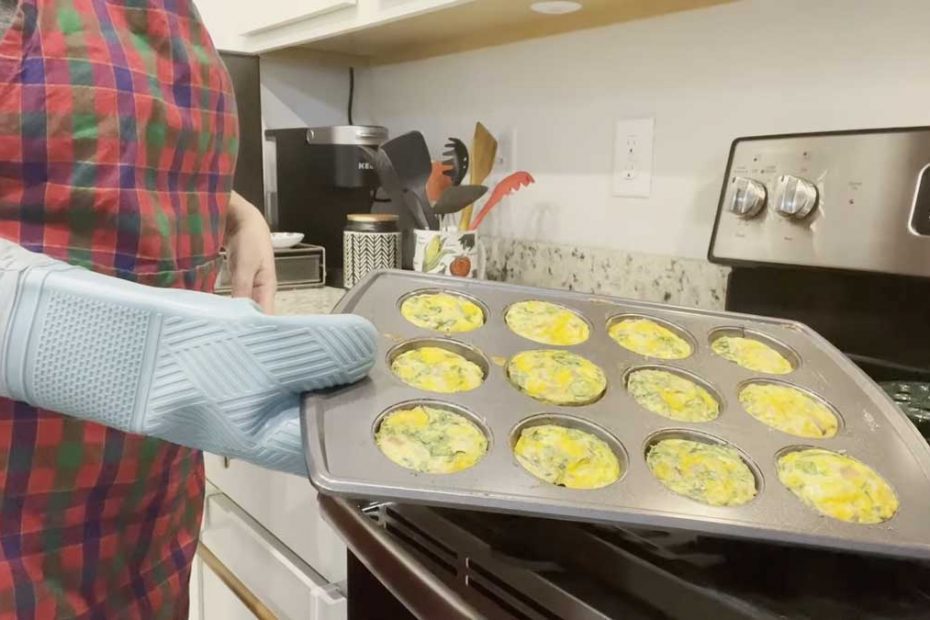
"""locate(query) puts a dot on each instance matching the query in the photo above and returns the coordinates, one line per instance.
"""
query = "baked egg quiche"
(444, 312)
(788, 410)
(567, 457)
(648, 338)
(557, 377)
(752, 355)
(437, 370)
(671, 395)
(708, 473)
(837, 486)
(431, 440)
(546, 323)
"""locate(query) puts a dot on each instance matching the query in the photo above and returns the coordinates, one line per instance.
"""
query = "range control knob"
(795, 197)
(748, 197)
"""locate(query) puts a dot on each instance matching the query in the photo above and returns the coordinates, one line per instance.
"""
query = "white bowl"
(282, 240)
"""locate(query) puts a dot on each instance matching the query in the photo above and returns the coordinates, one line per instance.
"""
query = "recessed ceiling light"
(556, 7)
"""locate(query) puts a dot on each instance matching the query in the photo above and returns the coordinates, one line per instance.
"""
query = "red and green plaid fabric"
(118, 140)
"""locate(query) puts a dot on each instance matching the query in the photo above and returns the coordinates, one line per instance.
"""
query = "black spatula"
(410, 158)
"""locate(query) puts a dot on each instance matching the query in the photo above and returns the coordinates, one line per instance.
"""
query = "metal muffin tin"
(343, 459)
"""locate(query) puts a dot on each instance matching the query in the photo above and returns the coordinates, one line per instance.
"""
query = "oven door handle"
(414, 585)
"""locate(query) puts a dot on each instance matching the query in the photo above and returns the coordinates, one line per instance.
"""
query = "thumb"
(315, 352)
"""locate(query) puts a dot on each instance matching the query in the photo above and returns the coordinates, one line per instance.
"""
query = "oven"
(830, 229)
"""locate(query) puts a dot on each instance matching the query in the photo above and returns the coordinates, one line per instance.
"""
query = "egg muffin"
(547, 323)
(671, 395)
(443, 312)
(837, 486)
(648, 338)
(557, 377)
(431, 440)
(567, 457)
(437, 370)
(708, 473)
(752, 354)
(788, 410)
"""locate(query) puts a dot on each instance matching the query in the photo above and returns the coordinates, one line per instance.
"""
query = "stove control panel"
(852, 200)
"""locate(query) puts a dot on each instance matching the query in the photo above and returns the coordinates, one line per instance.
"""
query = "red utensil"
(506, 187)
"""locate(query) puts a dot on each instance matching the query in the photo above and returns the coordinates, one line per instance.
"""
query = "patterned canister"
(371, 241)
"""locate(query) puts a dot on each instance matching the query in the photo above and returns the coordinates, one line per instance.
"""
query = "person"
(118, 143)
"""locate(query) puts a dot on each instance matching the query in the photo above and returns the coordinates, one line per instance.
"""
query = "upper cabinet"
(268, 15)
(386, 31)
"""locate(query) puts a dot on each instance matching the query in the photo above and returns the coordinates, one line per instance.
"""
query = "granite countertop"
(617, 273)
(307, 300)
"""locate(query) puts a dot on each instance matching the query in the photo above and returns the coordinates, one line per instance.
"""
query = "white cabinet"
(388, 31)
(256, 27)
(211, 599)
(271, 14)
(355, 16)
(286, 505)
(243, 571)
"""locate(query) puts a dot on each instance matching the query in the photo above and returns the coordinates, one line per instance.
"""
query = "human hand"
(250, 255)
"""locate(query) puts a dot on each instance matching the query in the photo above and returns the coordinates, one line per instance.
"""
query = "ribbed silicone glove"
(198, 370)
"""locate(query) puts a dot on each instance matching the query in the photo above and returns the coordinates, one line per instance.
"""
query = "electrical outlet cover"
(633, 145)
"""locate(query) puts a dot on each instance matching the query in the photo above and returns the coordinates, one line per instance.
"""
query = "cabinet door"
(214, 599)
(242, 566)
(287, 506)
(270, 14)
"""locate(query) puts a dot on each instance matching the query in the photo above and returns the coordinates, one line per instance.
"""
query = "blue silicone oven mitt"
(192, 368)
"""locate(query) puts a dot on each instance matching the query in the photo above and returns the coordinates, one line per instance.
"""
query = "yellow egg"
(648, 338)
(546, 323)
(708, 473)
(567, 457)
(837, 486)
(437, 370)
(789, 410)
(672, 396)
(557, 377)
(443, 312)
(431, 440)
(752, 355)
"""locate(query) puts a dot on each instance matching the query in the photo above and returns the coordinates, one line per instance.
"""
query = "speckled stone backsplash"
(683, 282)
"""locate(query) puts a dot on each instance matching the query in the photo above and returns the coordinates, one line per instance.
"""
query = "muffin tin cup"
(468, 352)
(684, 374)
(435, 291)
(344, 460)
(676, 329)
(712, 440)
(540, 343)
(741, 332)
(434, 403)
(840, 422)
(568, 421)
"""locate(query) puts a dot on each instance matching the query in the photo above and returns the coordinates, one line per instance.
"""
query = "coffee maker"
(318, 176)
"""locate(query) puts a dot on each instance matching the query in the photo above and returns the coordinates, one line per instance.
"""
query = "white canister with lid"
(371, 241)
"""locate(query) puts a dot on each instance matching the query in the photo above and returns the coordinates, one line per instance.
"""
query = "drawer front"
(286, 505)
(262, 572)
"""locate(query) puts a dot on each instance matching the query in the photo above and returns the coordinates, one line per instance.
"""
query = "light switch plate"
(633, 143)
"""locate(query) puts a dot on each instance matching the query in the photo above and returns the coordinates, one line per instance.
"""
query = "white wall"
(755, 67)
